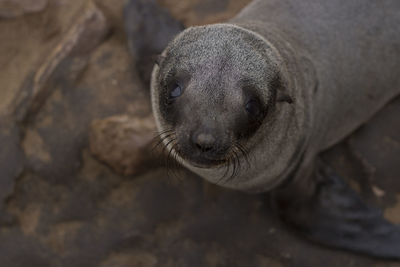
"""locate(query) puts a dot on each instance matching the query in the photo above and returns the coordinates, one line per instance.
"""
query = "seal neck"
(301, 85)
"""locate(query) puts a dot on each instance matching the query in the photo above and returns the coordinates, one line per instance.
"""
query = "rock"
(21, 56)
(60, 127)
(11, 162)
(149, 28)
(68, 59)
(113, 11)
(131, 259)
(11, 157)
(15, 8)
(199, 12)
(123, 142)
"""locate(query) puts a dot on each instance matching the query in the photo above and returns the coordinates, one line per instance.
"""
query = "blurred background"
(80, 184)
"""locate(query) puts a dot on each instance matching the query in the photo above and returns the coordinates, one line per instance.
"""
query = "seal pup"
(251, 103)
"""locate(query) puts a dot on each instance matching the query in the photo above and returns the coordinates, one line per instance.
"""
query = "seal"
(251, 103)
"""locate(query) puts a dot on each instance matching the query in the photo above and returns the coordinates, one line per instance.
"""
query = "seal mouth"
(202, 160)
(205, 163)
(232, 156)
(199, 160)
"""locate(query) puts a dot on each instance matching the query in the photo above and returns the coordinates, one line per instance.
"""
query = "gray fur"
(339, 61)
(355, 48)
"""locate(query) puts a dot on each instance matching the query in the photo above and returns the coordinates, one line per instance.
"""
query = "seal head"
(214, 92)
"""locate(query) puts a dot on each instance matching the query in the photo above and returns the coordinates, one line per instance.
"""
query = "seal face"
(215, 88)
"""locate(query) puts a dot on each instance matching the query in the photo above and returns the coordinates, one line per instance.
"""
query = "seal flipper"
(149, 29)
(334, 215)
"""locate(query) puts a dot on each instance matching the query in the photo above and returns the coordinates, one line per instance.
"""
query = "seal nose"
(204, 141)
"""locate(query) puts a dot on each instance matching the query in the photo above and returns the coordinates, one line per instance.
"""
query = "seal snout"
(206, 147)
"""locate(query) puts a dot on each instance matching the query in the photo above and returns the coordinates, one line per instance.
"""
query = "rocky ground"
(71, 100)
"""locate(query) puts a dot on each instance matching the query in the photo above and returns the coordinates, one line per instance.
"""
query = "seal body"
(249, 104)
(338, 58)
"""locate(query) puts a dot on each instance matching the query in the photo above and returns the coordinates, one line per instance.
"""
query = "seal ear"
(310, 79)
(159, 59)
(283, 97)
(149, 28)
(279, 87)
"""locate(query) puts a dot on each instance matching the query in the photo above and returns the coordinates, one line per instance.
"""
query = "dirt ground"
(68, 65)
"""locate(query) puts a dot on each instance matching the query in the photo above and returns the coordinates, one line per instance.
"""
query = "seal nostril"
(204, 142)
(204, 148)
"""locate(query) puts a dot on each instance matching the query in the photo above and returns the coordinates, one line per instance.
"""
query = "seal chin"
(204, 162)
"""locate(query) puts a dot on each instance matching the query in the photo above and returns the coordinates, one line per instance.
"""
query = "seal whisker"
(160, 137)
(233, 163)
(159, 134)
(176, 163)
(237, 164)
(159, 142)
(227, 164)
(175, 152)
(167, 151)
(170, 149)
(172, 162)
(244, 154)
(172, 159)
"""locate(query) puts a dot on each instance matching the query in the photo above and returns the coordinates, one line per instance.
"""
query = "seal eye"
(253, 107)
(176, 90)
